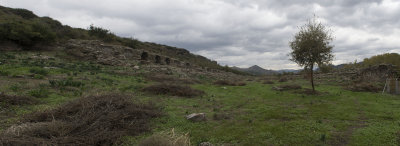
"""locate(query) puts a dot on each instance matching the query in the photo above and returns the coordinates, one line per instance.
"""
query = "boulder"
(196, 117)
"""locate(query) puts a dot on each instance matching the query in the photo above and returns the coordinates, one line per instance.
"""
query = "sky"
(236, 32)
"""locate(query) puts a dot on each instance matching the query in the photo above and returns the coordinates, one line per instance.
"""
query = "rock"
(224, 88)
(206, 144)
(277, 88)
(136, 67)
(196, 117)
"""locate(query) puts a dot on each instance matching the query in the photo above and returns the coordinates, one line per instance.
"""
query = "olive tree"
(311, 46)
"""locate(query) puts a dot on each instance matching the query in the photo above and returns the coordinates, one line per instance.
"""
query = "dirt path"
(343, 138)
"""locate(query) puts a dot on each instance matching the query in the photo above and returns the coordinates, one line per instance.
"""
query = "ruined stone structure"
(378, 72)
(117, 55)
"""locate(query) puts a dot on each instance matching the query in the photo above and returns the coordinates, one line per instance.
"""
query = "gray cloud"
(236, 32)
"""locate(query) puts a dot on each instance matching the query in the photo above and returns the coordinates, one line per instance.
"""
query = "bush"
(39, 93)
(283, 79)
(4, 73)
(26, 33)
(26, 14)
(101, 33)
(65, 82)
(93, 120)
(39, 71)
(174, 90)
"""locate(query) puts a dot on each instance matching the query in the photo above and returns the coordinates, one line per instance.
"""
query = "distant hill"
(256, 70)
(21, 29)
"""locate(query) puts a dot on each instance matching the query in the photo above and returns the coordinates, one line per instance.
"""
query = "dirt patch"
(174, 90)
(363, 87)
(286, 87)
(93, 120)
(307, 91)
(229, 83)
(16, 100)
(268, 82)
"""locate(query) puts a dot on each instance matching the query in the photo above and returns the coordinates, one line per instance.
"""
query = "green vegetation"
(253, 114)
(23, 28)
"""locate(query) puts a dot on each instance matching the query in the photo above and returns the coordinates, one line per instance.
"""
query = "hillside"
(23, 30)
(255, 70)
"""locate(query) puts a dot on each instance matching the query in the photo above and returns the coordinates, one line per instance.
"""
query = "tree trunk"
(312, 77)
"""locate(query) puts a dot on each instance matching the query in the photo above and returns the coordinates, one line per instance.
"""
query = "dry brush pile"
(92, 120)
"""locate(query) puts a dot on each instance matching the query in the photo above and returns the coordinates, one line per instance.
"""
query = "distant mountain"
(255, 70)
(288, 70)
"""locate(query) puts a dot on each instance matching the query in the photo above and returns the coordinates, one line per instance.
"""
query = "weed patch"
(38, 71)
(39, 93)
(93, 120)
(65, 82)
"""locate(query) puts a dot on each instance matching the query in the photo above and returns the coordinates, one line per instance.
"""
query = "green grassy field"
(236, 115)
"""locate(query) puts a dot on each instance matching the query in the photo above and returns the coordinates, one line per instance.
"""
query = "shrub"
(92, 120)
(39, 71)
(39, 93)
(4, 73)
(26, 14)
(283, 79)
(101, 33)
(65, 82)
(26, 33)
(174, 90)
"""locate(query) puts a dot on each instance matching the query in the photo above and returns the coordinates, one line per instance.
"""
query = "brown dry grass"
(229, 83)
(167, 139)
(170, 79)
(17, 100)
(174, 90)
(92, 120)
(363, 87)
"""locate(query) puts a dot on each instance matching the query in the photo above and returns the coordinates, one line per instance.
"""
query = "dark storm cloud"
(236, 32)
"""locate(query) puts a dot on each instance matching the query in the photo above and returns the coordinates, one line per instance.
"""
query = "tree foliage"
(387, 58)
(311, 46)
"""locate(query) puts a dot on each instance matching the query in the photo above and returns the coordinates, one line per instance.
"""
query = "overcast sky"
(236, 32)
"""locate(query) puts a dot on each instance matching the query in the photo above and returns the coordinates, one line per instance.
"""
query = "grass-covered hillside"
(47, 99)
(22, 29)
